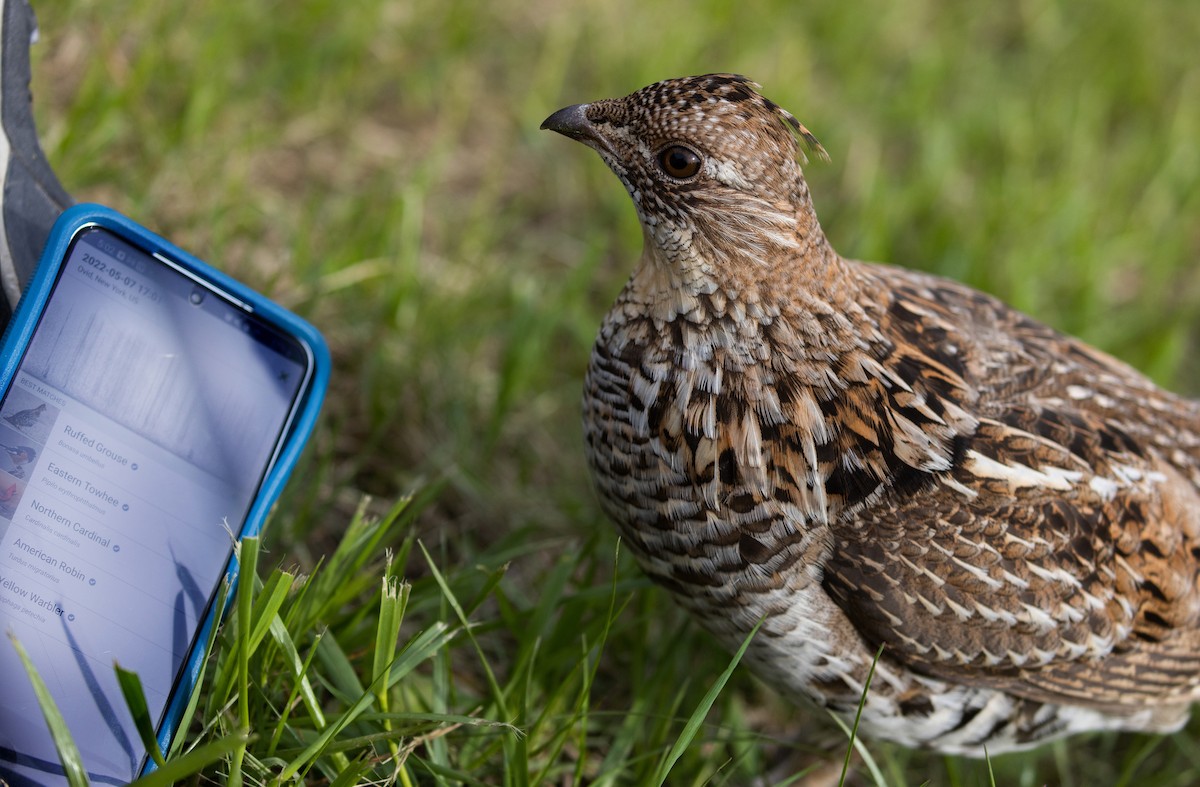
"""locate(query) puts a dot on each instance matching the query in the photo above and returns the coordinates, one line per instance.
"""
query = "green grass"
(377, 167)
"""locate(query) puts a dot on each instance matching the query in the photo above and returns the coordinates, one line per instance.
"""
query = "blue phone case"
(20, 331)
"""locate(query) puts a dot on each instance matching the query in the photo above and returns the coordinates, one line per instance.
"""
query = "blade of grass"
(1135, 758)
(697, 718)
(135, 698)
(858, 746)
(267, 603)
(511, 746)
(301, 686)
(351, 775)
(64, 744)
(422, 647)
(247, 570)
(493, 684)
(590, 678)
(173, 771)
(338, 673)
(193, 702)
(437, 724)
(266, 600)
(343, 579)
(393, 599)
(852, 732)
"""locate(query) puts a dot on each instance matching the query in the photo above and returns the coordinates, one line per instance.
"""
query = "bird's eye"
(679, 162)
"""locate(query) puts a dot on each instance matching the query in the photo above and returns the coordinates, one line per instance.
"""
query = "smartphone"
(151, 409)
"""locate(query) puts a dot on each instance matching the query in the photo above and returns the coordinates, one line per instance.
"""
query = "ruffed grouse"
(865, 456)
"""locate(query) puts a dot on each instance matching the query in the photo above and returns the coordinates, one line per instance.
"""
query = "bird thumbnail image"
(10, 495)
(872, 460)
(18, 457)
(24, 419)
(28, 414)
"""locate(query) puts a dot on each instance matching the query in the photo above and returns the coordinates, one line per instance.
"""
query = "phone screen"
(133, 439)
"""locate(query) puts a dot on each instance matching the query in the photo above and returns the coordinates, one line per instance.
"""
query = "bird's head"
(713, 168)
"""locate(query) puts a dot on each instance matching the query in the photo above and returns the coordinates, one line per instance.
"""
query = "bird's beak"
(571, 122)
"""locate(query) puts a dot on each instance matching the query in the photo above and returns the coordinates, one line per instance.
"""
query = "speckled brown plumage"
(863, 455)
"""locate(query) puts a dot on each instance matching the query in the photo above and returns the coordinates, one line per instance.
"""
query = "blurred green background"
(377, 167)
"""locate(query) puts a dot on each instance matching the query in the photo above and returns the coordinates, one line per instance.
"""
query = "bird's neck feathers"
(732, 247)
